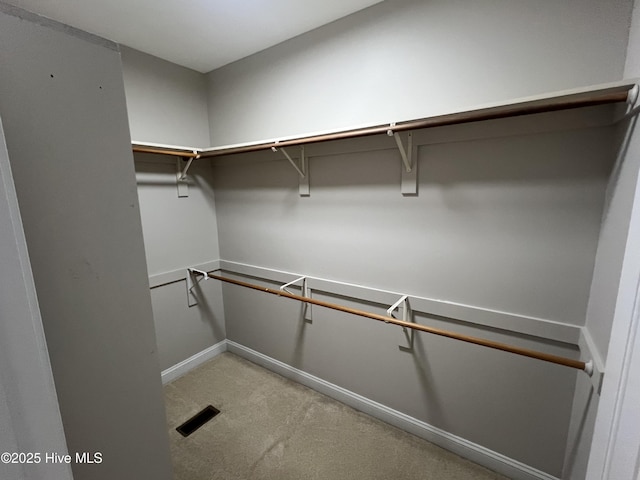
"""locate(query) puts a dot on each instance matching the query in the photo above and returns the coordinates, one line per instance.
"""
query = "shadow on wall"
(423, 373)
(513, 160)
(207, 314)
(572, 454)
(304, 319)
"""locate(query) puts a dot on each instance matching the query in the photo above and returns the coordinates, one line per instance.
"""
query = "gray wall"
(615, 450)
(507, 219)
(180, 232)
(29, 412)
(613, 238)
(166, 103)
(604, 293)
(510, 224)
(400, 60)
(62, 102)
(489, 228)
(609, 297)
(405, 59)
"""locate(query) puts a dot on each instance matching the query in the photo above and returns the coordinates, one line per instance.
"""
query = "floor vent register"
(198, 420)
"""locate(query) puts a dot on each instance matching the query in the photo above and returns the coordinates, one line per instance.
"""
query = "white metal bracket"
(632, 97)
(305, 292)
(181, 174)
(409, 155)
(632, 109)
(301, 169)
(404, 153)
(192, 299)
(588, 368)
(283, 288)
(407, 316)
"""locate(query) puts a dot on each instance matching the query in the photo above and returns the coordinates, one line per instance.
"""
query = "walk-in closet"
(402, 243)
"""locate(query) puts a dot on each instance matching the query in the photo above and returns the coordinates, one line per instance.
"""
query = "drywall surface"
(632, 63)
(611, 246)
(180, 232)
(29, 412)
(406, 59)
(8, 441)
(184, 331)
(583, 415)
(505, 223)
(615, 452)
(616, 443)
(605, 291)
(63, 106)
(166, 103)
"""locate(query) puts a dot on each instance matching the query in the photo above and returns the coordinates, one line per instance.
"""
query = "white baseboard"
(476, 453)
(192, 362)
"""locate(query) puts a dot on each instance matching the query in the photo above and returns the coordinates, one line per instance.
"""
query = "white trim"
(492, 105)
(185, 366)
(615, 449)
(533, 326)
(589, 351)
(136, 143)
(173, 276)
(472, 451)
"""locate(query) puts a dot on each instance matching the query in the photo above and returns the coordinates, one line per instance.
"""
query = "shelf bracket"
(409, 155)
(183, 175)
(283, 288)
(305, 292)
(407, 316)
(632, 108)
(192, 273)
(406, 157)
(301, 169)
(181, 179)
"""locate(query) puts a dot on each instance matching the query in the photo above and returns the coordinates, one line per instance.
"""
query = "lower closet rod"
(568, 362)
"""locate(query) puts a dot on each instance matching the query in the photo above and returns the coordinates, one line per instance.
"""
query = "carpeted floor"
(271, 428)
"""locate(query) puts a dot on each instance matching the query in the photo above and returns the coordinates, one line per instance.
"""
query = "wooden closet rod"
(165, 151)
(602, 96)
(568, 362)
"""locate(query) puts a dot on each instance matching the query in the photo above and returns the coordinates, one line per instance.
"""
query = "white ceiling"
(199, 34)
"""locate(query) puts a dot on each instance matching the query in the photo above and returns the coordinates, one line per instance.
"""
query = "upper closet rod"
(602, 96)
(578, 100)
(192, 153)
(568, 362)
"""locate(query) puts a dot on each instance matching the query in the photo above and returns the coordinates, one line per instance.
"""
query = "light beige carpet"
(271, 428)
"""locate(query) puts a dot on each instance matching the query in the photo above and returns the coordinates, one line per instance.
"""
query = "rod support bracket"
(405, 153)
(632, 108)
(283, 288)
(305, 291)
(181, 175)
(409, 156)
(407, 316)
(588, 367)
(632, 97)
(189, 160)
(192, 299)
(301, 168)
